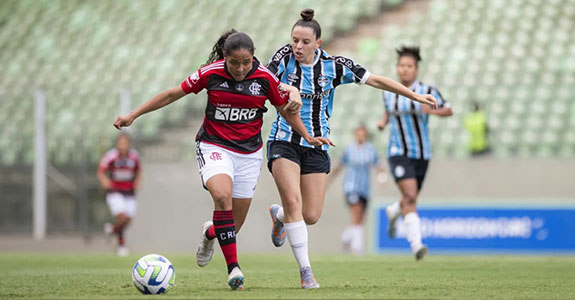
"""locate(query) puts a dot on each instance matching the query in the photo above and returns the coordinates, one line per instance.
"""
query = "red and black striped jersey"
(235, 109)
(122, 171)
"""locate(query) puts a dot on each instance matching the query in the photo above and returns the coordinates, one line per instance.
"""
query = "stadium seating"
(83, 53)
(513, 57)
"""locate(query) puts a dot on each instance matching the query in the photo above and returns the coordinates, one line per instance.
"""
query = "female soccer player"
(119, 174)
(300, 169)
(409, 149)
(359, 157)
(229, 143)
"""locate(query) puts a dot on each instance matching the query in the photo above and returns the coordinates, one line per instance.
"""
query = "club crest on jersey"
(322, 80)
(239, 87)
(255, 88)
(195, 77)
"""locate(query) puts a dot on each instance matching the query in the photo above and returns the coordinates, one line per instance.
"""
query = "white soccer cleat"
(123, 251)
(236, 279)
(205, 250)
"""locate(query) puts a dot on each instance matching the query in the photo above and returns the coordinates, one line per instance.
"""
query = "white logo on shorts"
(399, 171)
(282, 134)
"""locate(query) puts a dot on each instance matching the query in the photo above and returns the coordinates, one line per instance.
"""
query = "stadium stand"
(83, 53)
(514, 57)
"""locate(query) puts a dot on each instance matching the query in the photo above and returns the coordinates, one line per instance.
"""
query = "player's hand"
(381, 125)
(427, 99)
(318, 141)
(123, 121)
(294, 104)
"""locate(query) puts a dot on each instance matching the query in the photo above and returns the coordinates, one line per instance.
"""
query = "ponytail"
(228, 42)
(218, 49)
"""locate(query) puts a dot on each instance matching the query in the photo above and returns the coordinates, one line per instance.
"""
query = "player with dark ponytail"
(300, 169)
(229, 143)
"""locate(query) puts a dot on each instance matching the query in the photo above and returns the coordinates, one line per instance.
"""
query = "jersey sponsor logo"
(216, 156)
(255, 88)
(345, 61)
(235, 114)
(281, 53)
(239, 87)
(225, 85)
(195, 77)
(292, 77)
(322, 80)
(317, 96)
(123, 175)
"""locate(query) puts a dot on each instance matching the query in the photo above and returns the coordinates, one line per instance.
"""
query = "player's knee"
(222, 198)
(409, 199)
(311, 217)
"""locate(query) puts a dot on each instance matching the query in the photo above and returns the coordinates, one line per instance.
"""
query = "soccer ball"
(153, 274)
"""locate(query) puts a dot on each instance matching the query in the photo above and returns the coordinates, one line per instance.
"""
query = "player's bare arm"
(442, 112)
(294, 104)
(160, 100)
(383, 122)
(387, 84)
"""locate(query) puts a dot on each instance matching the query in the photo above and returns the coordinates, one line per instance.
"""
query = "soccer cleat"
(123, 251)
(307, 279)
(278, 231)
(206, 248)
(236, 279)
(391, 221)
(419, 254)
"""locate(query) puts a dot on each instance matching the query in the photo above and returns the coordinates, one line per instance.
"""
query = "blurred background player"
(409, 148)
(300, 169)
(476, 126)
(119, 174)
(359, 157)
(229, 143)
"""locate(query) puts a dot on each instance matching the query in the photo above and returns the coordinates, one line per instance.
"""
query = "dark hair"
(308, 21)
(409, 51)
(231, 40)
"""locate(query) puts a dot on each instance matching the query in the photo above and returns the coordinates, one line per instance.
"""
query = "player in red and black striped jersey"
(229, 143)
(119, 174)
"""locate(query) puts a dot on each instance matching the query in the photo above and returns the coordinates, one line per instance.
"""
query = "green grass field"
(89, 276)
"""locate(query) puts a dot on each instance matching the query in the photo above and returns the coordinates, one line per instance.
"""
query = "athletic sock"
(394, 209)
(211, 233)
(225, 231)
(120, 234)
(357, 239)
(413, 230)
(280, 214)
(297, 236)
(347, 235)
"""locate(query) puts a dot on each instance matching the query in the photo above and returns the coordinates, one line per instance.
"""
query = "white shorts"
(244, 169)
(122, 204)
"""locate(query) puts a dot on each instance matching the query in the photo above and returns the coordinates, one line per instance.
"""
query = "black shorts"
(310, 160)
(352, 199)
(403, 167)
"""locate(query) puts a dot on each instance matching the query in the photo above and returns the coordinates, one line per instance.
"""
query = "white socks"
(413, 230)
(280, 214)
(353, 237)
(297, 236)
(393, 210)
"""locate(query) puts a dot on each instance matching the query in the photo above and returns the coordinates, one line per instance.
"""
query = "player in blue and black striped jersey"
(409, 149)
(300, 170)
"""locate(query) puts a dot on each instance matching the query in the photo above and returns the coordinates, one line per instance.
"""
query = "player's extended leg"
(409, 192)
(241, 207)
(122, 221)
(286, 175)
(357, 215)
(313, 195)
(220, 188)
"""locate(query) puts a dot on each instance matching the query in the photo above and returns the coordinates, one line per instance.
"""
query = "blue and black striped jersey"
(409, 135)
(359, 159)
(316, 83)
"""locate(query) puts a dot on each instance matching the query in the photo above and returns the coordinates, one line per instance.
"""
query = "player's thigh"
(131, 206)
(313, 195)
(212, 161)
(220, 188)
(286, 174)
(420, 171)
(247, 168)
